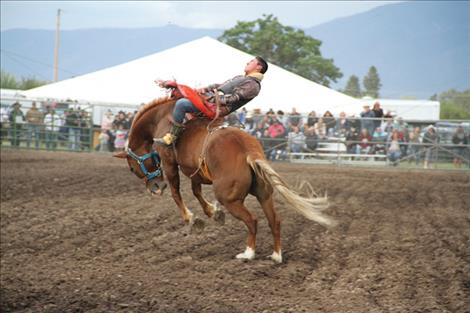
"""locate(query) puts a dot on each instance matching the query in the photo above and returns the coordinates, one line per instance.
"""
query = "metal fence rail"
(32, 136)
(332, 150)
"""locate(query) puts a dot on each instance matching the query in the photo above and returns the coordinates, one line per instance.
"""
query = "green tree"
(455, 104)
(352, 87)
(372, 83)
(7, 81)
(285, 46)
(28, 83)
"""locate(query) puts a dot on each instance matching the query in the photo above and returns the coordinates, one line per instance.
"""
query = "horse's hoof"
(249, 254)
(198, 225)
(276, 257)
(219, 217)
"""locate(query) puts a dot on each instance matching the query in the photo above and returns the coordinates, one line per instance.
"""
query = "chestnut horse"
(226, 157)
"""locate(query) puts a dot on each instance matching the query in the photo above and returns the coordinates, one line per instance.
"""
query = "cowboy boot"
(169, 138)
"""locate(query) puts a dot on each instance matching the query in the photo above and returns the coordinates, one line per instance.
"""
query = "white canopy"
(420, 110)
(197, 63)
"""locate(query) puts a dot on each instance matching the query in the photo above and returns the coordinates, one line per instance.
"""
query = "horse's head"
(146, 166)
(143, 160)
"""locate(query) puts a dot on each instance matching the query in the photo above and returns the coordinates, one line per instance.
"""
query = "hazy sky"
(196, 14)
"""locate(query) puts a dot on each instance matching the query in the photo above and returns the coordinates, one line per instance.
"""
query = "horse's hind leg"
(274, 223)
(238, 210)
(264, 194)
(209, 209)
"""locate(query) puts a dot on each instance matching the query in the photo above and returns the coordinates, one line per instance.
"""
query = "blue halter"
(141, 159)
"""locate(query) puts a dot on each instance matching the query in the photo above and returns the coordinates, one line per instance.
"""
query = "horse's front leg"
(209, 209)
(174, 181)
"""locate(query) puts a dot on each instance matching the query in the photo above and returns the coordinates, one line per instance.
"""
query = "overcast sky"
(195, 14)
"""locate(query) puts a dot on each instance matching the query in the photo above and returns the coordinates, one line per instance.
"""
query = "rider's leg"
(182, 106)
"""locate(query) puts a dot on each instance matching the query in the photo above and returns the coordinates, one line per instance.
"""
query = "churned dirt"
(79, 233)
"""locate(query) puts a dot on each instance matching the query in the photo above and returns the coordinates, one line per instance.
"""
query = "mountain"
(27, 53)
(419, 48)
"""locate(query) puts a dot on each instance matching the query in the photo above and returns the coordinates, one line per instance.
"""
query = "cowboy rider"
(232, 95)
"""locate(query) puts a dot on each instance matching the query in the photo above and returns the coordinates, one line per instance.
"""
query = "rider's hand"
(160, 82)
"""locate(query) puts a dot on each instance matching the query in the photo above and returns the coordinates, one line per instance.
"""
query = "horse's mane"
(148, 107)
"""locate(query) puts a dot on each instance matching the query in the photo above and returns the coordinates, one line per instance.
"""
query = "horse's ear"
(120, 155)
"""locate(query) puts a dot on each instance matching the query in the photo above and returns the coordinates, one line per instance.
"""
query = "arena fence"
(333, 148)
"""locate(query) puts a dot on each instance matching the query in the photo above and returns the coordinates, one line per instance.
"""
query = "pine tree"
(372, 83)
(352, 87)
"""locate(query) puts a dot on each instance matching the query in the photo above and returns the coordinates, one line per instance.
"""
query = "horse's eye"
(132, 169)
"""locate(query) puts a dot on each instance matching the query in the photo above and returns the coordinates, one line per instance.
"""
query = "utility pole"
(56, 49)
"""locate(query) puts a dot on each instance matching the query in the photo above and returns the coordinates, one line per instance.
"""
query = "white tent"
(197, 64)
(419, 110)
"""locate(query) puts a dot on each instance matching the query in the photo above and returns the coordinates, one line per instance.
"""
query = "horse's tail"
(310, 207)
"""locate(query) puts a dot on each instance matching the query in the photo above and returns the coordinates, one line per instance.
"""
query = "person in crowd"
(120, 141)
(131, 118)
(276, 134)
(107, 121)
(294, 119)
(249, 123)
(387, 126)
(311, 138)
(393, 148)
(282, 117)
(354, 121)
(330, 123)
(85, 125)
(459, 139)
(367, 119)
(52, 123)
(378, 113)
(4, 123)
(430, 140)
(107, 126)
(258, 131)
(17, 120)
(352, 139)
(121, 120)
(103, 138)
(269, 118)
(388, 115)
(241, 116)
(257, 117)
(402, 127)
(296, 140)
(364, 144)
(379, 140)
(342, 125)
(312, 119)
(414, 148)
(320, 129)
(35, 120)
(72, 122)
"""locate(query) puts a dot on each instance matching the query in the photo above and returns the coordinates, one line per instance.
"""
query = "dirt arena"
(80, 234)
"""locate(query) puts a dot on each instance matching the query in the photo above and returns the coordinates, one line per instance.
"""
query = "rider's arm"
(245, 91)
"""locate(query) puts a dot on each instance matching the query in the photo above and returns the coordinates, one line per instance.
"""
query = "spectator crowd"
(370, 134)
(44, 126)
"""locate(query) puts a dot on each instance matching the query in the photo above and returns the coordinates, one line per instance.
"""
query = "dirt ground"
(79, 233)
